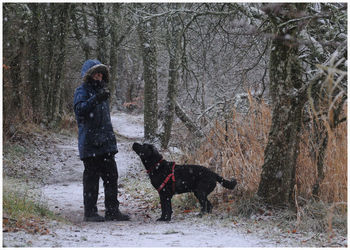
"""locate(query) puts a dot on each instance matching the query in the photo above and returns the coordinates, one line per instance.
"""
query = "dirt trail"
(63, 194)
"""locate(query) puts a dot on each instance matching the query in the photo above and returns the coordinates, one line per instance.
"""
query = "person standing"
(97, 143)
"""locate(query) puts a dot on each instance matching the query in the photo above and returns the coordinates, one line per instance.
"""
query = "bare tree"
(146, 31)
(63, 17)
(34, 63)
(80, 28)
(101, 43)
(278, 172)
(290, 81)
(174, 50)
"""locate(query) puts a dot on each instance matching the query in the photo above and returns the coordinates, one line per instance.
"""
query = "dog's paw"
(200, 215)
(164, 219)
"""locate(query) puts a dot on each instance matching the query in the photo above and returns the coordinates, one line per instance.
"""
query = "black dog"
(169, 179)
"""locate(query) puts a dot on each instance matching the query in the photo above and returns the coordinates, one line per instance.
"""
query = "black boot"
(94, 218)
(117, 216)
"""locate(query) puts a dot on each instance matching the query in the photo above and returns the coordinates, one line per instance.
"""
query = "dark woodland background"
(259, 89)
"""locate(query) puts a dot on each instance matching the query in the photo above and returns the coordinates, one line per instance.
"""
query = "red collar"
(157, 164)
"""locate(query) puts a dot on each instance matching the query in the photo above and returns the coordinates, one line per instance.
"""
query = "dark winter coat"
(96, 136)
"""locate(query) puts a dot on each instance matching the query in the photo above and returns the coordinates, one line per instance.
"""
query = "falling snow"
(64, 195)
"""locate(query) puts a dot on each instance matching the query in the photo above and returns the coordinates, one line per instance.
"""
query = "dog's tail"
(225, 183)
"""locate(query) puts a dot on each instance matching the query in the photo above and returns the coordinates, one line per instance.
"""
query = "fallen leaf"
(5, 221)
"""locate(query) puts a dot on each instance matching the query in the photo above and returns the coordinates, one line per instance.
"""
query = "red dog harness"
(171, 175)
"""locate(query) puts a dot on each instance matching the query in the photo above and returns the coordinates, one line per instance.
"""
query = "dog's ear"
(155, 151)
(150, 150)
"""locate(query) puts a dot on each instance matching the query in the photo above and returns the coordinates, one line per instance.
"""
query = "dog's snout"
(136, 146)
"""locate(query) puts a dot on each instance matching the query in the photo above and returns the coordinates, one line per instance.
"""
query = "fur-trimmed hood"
(91, 67)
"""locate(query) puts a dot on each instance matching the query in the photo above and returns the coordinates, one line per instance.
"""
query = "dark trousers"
(106, 168)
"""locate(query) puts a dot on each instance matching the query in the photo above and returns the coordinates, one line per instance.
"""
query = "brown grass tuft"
(236, 148)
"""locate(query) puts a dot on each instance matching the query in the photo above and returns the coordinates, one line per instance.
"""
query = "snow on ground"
(63, 194)
(130, 126)
(136, 234)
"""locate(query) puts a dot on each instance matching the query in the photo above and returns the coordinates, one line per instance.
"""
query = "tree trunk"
(101, 32)
(34, 63)
(174, 49)
(63, 22)
(113, 51)
(87, 46)
(16, 79)
(82, 38)
(278, 171)
(49, 14)
(146, 32)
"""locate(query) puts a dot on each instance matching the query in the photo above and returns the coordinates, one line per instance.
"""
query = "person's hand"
(102, 94)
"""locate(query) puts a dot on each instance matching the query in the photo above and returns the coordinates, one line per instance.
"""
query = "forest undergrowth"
(235, 148)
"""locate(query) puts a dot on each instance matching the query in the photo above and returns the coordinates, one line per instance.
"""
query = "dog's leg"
(209, 206)
(165, 202)
(203, 200)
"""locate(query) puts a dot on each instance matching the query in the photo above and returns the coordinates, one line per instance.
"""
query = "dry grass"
(237, 149)
(334, 186)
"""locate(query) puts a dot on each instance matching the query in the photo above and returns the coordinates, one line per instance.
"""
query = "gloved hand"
(97, 83)
(102, 94)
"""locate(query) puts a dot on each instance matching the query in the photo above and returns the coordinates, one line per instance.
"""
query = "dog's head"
(147, 152)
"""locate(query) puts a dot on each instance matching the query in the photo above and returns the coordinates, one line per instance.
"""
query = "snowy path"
(64, 195)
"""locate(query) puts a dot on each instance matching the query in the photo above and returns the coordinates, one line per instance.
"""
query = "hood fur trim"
(99, 68)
